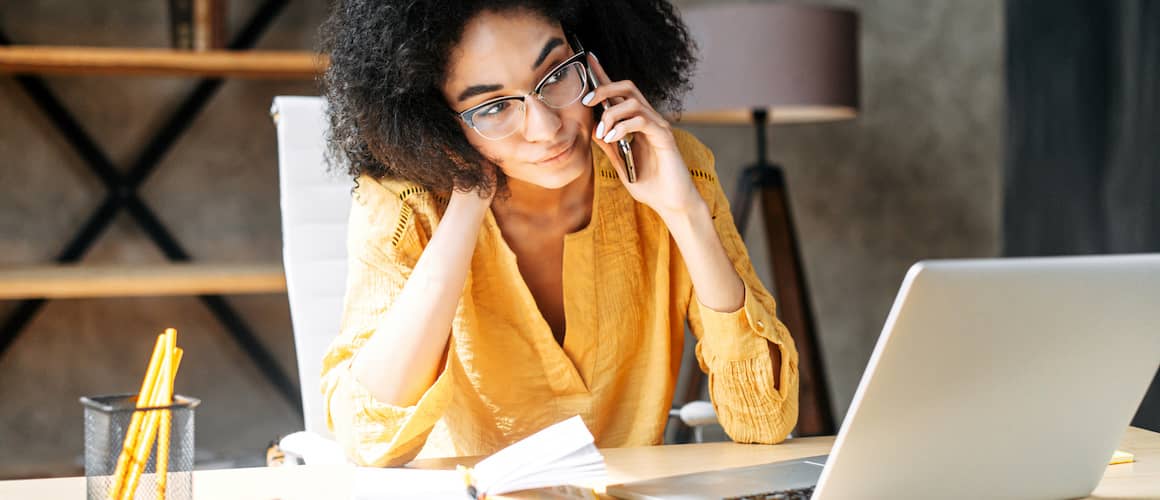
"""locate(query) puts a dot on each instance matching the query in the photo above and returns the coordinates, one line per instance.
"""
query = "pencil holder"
(108, 419)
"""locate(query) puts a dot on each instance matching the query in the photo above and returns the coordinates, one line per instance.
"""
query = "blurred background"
(985, 128)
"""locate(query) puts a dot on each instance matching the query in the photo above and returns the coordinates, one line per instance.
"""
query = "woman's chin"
(564, 177)
(558, 176)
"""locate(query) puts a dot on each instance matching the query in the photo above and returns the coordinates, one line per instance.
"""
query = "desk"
(1136, 480)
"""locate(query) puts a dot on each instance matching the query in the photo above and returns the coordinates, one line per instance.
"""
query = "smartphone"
(621, 145)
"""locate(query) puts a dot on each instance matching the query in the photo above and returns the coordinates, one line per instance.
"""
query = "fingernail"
(608, 138)
(588, 98)
(594, 56)
(600, 130)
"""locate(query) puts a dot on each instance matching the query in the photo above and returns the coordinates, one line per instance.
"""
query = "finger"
(615, 92)
(623, 111)
(657, 131)
(610, 88)
(625, 127)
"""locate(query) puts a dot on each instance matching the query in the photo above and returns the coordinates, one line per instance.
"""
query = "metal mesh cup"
(107, 420)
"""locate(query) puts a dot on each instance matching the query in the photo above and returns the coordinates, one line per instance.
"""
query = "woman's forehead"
(500, 47)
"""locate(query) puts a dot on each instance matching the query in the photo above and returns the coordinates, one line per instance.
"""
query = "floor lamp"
(776, 63)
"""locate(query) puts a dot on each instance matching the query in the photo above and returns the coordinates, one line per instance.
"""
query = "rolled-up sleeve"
(373, 433)
(753, 403)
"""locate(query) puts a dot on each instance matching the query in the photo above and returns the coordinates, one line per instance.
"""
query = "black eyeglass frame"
(580, 56)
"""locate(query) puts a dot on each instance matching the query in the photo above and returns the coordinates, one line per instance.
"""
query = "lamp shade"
(798, 62)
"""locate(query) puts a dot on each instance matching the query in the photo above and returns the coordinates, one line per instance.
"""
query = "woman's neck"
(542, 206)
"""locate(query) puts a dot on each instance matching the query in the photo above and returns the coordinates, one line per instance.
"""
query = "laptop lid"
(1004, 378)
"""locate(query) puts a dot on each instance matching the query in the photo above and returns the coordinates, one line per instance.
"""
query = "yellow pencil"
(149, 430)
(166, 424)
(144, 444)
(130, 441)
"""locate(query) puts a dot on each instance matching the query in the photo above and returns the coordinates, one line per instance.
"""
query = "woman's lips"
(560, 156)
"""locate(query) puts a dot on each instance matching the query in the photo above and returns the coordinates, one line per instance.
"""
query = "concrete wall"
(915, 176)
(216, 189)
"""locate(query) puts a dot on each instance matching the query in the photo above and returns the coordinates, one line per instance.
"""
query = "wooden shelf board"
(85, 281)
(34, 59)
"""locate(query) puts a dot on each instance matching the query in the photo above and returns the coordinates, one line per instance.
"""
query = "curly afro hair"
(388, 118)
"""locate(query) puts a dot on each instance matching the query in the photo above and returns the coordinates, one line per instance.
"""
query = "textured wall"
(216, 189)
(916, 176)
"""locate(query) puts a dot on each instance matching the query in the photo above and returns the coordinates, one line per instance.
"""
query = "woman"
(503, 275)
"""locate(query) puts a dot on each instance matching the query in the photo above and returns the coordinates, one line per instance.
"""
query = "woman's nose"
(541, 123)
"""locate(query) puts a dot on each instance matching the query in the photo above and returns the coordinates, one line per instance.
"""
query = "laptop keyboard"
(794, 494)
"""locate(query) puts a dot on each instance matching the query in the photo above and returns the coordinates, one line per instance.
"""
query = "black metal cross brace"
(121, 194)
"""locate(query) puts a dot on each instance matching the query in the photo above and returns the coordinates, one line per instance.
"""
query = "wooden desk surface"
(1136, 480)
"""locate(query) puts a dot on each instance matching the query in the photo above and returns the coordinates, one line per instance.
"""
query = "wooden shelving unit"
(283, 65)
(65, 276)
(80, 281)
(71, 281)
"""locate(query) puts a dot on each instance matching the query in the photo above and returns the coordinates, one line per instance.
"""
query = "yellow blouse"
(627, 294)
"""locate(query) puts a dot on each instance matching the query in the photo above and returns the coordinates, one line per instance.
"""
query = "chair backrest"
(315, 207)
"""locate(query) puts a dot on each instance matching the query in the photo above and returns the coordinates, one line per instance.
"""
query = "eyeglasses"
(498, 118)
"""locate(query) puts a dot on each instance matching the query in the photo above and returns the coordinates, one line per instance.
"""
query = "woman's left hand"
(662, 179)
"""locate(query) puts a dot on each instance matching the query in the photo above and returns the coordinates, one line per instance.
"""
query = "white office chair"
(315, 207)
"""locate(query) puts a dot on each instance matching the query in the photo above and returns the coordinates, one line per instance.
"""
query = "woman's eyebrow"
(548, 47)
(475, 90)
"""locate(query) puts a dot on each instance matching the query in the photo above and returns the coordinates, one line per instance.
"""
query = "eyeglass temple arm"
(575, 41)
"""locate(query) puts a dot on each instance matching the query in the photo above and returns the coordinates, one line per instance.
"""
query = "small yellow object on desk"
(1122, 457)
(156, 391)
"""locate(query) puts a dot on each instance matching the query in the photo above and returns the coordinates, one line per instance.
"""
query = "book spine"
(209, 24)
(181, 24)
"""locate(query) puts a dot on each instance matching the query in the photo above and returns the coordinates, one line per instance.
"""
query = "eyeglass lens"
(499, 119)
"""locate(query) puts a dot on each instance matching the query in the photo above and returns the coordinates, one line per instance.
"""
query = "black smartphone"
(622, 145)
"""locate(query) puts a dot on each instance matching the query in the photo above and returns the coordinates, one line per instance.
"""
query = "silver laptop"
(1005, 378)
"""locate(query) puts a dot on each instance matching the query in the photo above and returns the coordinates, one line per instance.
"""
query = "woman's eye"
(556, 77)
(494, 109)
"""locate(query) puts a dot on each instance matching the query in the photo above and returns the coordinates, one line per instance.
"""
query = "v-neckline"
(541, 334)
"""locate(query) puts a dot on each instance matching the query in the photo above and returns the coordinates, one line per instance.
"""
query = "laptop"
(999, 378)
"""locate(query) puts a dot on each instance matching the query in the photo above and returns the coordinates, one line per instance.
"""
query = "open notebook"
(562, 454)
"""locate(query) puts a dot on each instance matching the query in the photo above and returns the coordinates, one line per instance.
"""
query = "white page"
(533, 454)
(584, 466)
(373, 483)
(562, 453)
(589, 475)
(580, 458)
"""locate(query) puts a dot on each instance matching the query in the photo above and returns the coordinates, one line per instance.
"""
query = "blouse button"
(760, 326)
